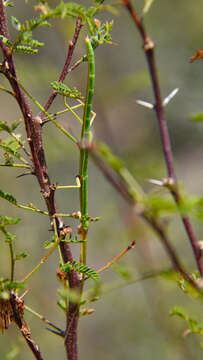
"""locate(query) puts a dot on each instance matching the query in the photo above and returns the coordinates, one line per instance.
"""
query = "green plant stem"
(69, 108)
(24, 166)
(12, 260)
(42, 261)
(7, 91)
(84, 154)
(32, 209)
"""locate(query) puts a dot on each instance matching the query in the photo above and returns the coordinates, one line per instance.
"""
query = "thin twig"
(67, 63)
(110, 263)
(20, 322)
(166, 143)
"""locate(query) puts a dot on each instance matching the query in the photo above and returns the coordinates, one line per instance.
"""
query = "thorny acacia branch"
(33, 127)
(166, 143)
(20, 322)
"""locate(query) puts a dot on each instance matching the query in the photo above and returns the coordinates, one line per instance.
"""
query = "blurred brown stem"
(122, 189)
(20, 322)
(166, 143)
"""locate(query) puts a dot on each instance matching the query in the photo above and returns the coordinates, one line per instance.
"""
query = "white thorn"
(78, 181)
(145, 104)
(170, 96)
(156, 182)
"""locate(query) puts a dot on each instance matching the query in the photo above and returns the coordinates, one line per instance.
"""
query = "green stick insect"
(85, 142)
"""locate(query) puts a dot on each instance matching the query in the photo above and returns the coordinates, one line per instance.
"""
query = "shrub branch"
(165, 138)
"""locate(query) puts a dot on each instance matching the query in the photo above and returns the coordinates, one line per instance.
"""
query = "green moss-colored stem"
(12, 261)
(84, 144)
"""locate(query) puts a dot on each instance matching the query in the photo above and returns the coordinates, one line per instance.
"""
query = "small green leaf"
(25, 49)
(14, 285)
(180, 312)
(6, 42)
(197, 117)
(98, 1)
(84, 269)
(64, 90)
(193, 324)
(62, 304)
(10, 198)
(4, 126)
(16, 23)
(5, 220)
(123, 271)
(21, 256)
(9, 237)
(50, 243)
(69, 295)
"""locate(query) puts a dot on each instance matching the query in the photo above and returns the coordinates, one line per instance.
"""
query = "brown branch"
(20, 322)
(64, 71)
(165, 138)
(123, 190)
(34, 136)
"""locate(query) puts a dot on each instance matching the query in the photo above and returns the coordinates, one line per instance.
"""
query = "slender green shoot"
(12, 260)
(72, 111)
(32, 209)
(23, 166)
(85, 142)
(2, 88)
(45, 257)
(55, 115)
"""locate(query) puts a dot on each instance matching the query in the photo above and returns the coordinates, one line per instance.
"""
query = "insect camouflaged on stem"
(84, 153)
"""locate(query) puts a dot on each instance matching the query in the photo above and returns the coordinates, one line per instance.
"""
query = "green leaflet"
(8, 236)
(11, 146)
(197, 117)
(5, 220)
(5, 284)
(6, 41)
(193, 325)
(64, 90)
(21, 256)
(100, 33)
(123, 271)
(84, 269)
(10, 198)
(9, 129)
(25, 49)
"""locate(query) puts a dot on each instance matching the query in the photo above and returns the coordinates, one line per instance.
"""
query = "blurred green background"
(132, 321)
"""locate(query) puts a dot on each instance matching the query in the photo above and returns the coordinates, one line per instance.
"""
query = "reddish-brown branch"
(34, 136)
(20, 322)
(165, 138)
(64, 71)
